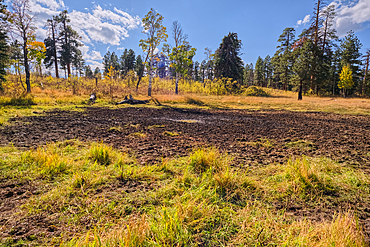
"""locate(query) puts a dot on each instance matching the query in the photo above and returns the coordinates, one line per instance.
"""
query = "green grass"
(102, 197)
(169, 133)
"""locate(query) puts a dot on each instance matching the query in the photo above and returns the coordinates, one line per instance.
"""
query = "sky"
(116, 25)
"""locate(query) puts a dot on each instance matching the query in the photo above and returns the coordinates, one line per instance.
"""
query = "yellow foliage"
(346, 79)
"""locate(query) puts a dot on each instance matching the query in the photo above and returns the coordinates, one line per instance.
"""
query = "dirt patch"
(15, 224)
(241, 133)
(253, 138)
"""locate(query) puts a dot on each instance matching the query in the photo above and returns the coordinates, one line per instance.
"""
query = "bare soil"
(254, 138)
(171, 132)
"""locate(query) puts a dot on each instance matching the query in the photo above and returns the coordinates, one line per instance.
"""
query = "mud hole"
(252, 138)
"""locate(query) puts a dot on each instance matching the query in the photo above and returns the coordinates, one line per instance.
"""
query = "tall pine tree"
(228, 63)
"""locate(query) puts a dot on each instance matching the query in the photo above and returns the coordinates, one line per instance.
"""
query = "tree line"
(315, 62)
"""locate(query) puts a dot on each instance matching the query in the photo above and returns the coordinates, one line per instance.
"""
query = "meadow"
(203, 168)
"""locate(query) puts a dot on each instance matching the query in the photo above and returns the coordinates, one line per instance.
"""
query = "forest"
(313, 62)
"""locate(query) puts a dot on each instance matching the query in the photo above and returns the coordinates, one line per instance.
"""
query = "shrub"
(255, 91)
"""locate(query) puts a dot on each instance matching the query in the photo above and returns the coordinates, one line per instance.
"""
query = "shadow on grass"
(25, 102)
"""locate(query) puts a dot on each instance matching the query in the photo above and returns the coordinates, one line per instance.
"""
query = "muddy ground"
(254, 138)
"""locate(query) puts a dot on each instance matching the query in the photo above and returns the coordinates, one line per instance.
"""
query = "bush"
(255, 91)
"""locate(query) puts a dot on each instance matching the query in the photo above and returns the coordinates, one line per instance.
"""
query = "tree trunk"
(55, 51)
(300, 90)
(142, 72)
(177, 84)
(366, 70)
(316, 40)
(150, 75)
(26, 65)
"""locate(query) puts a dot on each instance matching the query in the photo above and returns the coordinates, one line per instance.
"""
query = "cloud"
(351, 16)
(305, 20)
(96, 25)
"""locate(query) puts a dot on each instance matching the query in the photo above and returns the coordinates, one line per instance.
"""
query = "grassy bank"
(89, 194)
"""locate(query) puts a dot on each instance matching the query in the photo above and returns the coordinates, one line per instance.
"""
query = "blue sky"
(115, 25)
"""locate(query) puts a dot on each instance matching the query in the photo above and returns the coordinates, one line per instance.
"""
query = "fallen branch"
(132, 101)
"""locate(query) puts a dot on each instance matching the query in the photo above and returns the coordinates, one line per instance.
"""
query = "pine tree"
(259, 72)
(127, 61)
(268, 69)
(51, 43)
(350, 55)
(228, 63)
(139, 66)
(111, 60)
(196, 71)
(88, 72)
(283, 57)
(304, 66)
(69, 39)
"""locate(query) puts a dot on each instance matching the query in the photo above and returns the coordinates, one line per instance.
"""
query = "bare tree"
(23, 29)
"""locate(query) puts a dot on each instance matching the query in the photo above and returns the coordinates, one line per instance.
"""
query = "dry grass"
(197, 200)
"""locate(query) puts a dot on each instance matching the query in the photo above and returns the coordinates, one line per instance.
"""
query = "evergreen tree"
(69, 39)
(196, 71)
(268, 69)
(249, 74)
(228, 63)
(110, 60)
(259, 72)
(139, 65)
(88, 72)
(127, 61)
(78, 62)
(304, 66)
(96, 71)
(51, 57)
(283, 57)
(350, 55)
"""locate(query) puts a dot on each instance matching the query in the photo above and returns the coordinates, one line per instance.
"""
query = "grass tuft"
(202, 160)
(101, 153)
(168, 133)
(193, 101)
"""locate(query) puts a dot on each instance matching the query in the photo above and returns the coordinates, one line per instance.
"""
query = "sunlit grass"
(104, 198)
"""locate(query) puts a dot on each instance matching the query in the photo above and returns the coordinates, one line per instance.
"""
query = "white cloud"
(351, 16)
(96, 25)
(305, 20)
